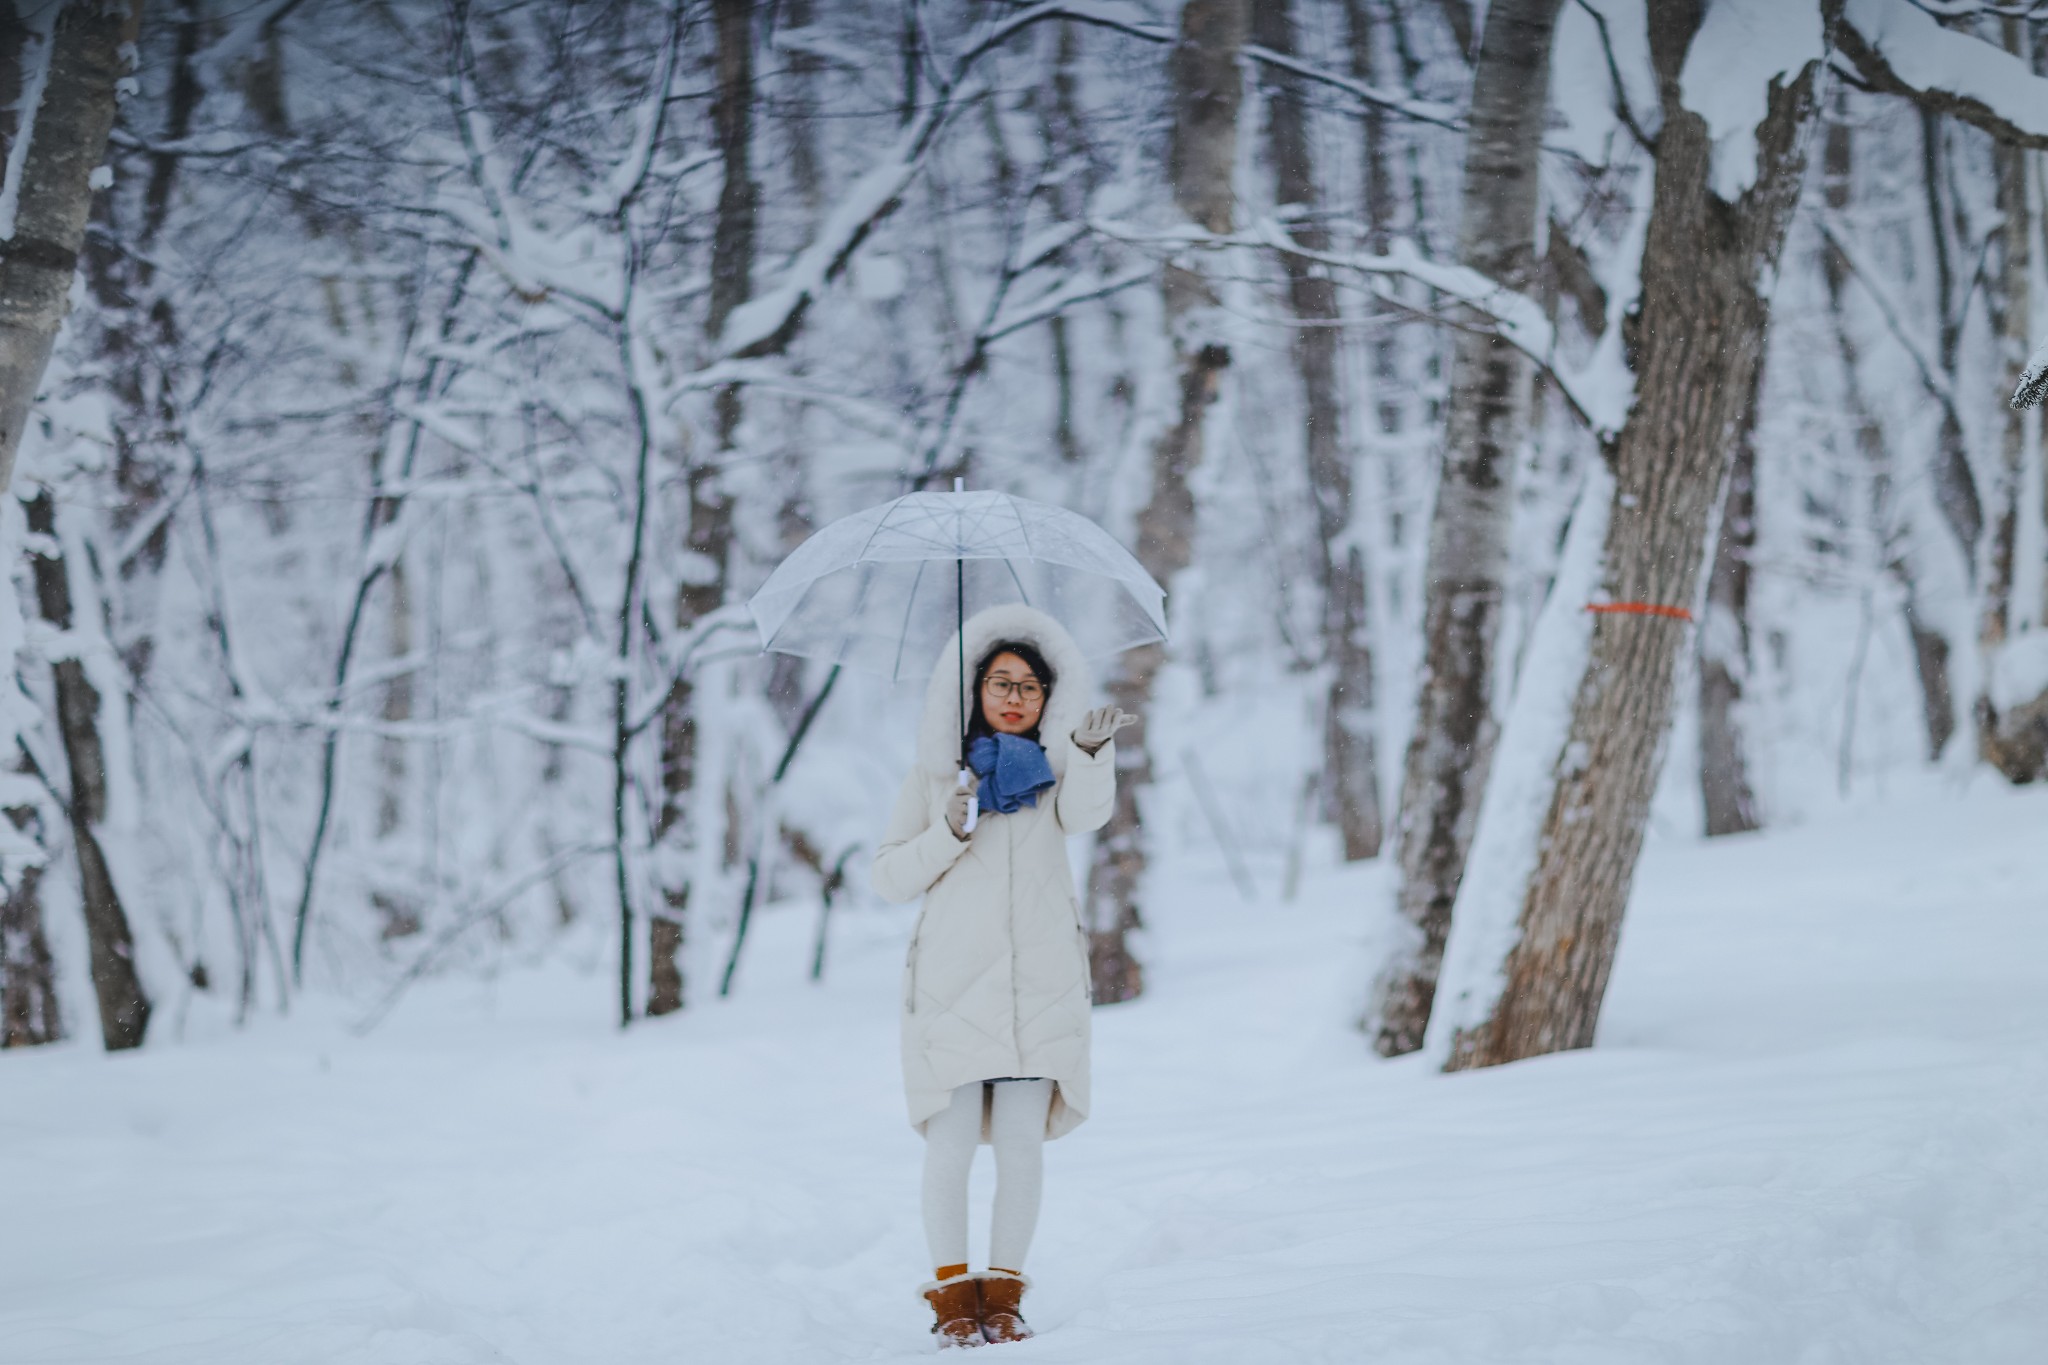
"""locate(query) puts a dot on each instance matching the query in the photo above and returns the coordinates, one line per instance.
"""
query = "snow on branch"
(1601, 392)
(1422, 111)
(765, 325)
(1056, 301)
(1744, 50)
(1897, 48)
(2033, 386)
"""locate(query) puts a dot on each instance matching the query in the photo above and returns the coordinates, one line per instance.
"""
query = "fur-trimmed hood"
(938, 736)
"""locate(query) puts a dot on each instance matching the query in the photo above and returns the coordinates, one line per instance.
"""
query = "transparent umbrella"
(886, 589)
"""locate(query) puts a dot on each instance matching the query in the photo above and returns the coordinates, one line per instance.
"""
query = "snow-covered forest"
(1562, 427)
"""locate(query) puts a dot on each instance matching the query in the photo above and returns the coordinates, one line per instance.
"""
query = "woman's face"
(1012, 697)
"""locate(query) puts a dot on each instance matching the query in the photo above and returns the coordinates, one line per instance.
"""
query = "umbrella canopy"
(884, 590)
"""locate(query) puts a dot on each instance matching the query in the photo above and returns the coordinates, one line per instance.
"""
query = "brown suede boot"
(957, 1304)
(1001, 1292)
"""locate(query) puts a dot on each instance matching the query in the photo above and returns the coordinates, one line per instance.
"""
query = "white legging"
(1016, 1129)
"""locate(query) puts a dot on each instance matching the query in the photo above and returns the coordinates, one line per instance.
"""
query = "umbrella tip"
(959, 483)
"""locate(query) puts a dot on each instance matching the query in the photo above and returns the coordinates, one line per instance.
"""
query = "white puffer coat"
(997, 978)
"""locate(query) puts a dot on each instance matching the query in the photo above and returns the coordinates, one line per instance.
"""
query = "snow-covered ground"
(1815, 1131)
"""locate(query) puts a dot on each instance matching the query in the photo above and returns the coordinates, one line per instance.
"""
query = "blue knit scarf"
(1012, 769)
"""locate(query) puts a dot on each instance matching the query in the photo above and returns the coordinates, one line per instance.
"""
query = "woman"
(995, 1002)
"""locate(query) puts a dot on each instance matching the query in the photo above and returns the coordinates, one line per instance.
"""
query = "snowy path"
(1816, 1131)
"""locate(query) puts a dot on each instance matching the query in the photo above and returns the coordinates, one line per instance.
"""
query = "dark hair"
(978, 725)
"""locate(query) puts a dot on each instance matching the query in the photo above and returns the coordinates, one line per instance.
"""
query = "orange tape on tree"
(1638, 609)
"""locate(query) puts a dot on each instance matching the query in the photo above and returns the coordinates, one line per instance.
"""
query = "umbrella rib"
(1021, 591)
(876, 530)
(867, 581)
(903, 635)
(1023, 532)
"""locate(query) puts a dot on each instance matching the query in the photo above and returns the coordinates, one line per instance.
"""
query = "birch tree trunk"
(124, 1008)
(1702, 314)
(67, 137)
(710, 508)
(1207, 90)
(1451, 748)
(1350, 770)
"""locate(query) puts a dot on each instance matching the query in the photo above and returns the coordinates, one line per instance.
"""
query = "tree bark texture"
(67, 140)
(732, 245)
(123, 1005)
(1207, 90)
(1701, 315)
(1451, 747)
(1725, 653)
(1350, 769)
(28, 979)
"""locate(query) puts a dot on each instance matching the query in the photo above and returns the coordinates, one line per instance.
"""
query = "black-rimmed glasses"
(1025, 690)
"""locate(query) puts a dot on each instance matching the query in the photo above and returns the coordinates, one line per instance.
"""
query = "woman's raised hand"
(1099, 727)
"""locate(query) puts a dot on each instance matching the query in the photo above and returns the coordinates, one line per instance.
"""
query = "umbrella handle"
(973, 804)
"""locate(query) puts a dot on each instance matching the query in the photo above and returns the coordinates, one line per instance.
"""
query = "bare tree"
(124, 1007)
(1704, 258)
(1451, 748)
(1350, 769)
(710, 507)
(1207, 90)
(85, 56)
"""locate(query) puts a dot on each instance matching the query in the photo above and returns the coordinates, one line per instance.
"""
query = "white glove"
(1099, 727)
(957, 806)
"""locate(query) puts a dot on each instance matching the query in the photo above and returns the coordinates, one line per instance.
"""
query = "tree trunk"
(89, 53)
(1930, 646)
(1702, 313)
(799, 117)
(1451, 747)
(395, 899)
(1201, 157)
(2015, 740)
(1350, 772)
(138, 341)
(1955, 486)
(124, 1008)
(28, 980)
(732, 243)
(1725, 654)
(1724, 638)
(1065, 137)
(1348, 725)
(710, 508)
